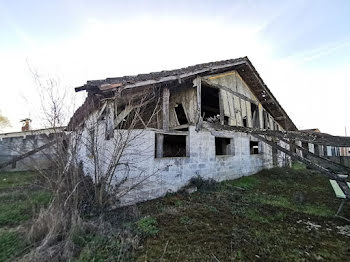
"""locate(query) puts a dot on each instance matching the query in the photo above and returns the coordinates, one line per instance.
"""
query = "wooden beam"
(278, 118)
(268, 101)
(179, 127)
(101, 111)
(198, 85)
(168, 132)
(122, 115)
(314, 138)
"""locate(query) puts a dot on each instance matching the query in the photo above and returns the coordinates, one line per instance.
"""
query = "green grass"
(260, 217)
(22, 207)
(11, 245)
(298, 166)
(10, 180)
(247, 182)
(19, 201)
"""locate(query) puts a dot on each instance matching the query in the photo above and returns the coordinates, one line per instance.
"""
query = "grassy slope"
(19, 200)
(268, 216)
(262, 217)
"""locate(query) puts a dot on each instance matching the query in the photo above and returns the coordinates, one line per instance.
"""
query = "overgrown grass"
(9, 180)
(19, 201)
(261, 217)
(276, 215)
(18, 207)
(12, 244)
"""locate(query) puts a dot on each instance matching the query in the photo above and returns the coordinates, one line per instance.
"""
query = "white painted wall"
(174, 173)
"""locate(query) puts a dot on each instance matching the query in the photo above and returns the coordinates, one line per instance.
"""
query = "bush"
(147, 226)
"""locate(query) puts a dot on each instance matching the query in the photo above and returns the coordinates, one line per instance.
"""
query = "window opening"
(305, 145)
(254, 147)
(210, 106)
(173, 146)
(226, 118)
(223, 146)
(317, 149)
(245, 122)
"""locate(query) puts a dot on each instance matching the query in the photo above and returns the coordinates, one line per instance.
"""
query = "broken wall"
(186, 97)
(239, 109)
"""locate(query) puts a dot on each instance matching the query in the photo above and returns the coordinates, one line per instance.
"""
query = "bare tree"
(116, 148)
(92, 167)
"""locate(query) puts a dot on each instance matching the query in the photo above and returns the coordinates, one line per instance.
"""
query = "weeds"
(147, 226)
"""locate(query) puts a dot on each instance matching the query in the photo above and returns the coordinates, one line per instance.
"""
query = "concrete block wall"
(11, 147)
(175, 172)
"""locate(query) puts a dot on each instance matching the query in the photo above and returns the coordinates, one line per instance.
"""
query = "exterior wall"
(175, 172)
(11, 147)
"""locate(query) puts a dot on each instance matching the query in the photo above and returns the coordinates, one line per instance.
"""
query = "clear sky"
(300, 48)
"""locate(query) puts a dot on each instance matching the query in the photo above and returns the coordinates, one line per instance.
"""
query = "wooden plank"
(237, 110)
(337, 190)
(221, 107)
(166, 95)
(224, 99)
(249, 114)
(233, 119)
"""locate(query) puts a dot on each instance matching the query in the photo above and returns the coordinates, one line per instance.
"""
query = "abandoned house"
(164, 120)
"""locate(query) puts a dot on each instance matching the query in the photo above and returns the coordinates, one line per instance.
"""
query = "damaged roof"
(242, 65)
(116, 82)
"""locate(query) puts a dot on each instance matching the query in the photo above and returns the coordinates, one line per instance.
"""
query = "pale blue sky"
(300, 48)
